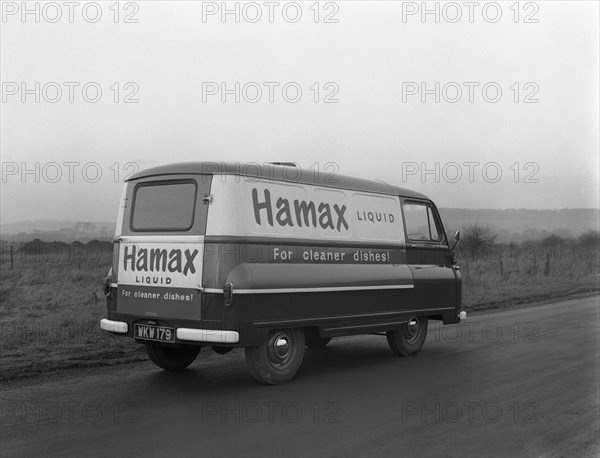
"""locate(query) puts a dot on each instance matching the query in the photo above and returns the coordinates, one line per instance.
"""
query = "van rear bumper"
(114, 326)
(208, 335)
(183, 334)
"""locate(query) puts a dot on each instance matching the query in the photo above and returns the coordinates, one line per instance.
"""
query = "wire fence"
(75, 253)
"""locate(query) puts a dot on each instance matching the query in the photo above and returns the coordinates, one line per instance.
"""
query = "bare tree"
(477, 238)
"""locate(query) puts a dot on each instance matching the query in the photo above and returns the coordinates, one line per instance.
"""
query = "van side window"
(420, 222)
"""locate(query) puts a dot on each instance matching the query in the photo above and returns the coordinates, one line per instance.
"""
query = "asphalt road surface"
(521, 382)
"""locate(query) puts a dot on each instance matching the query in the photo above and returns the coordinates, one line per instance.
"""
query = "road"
(521, 382)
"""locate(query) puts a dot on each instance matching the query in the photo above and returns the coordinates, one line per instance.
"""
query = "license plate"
(157, 333)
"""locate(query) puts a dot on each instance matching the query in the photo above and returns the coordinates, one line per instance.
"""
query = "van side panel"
(293, 263)
(280, 235)
(245, 207)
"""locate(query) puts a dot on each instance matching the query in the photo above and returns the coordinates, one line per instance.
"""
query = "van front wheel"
(171, 359)
(277, 358)
(409, 339)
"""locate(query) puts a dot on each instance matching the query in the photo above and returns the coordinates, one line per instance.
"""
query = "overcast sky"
(373, 59)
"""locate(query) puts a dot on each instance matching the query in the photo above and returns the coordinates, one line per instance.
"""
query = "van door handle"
(208, 199)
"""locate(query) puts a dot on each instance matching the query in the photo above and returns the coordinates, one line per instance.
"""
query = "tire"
(171, 359)
(314, 340)
(409, 339)
(277, 358)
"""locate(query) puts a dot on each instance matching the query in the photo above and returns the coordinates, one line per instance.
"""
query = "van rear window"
(164, 206)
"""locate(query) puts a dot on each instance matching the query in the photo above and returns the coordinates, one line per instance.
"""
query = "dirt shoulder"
(532, 295)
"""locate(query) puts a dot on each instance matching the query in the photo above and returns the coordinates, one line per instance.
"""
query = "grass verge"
(50, 311)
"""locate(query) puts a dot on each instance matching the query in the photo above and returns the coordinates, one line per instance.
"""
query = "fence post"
(11, 257)
(547, 266)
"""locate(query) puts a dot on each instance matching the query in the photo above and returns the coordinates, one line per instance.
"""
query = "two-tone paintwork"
(297, 249)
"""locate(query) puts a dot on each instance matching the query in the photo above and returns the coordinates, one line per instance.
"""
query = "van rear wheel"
(171, 359)
(277, 358)
(409, 339)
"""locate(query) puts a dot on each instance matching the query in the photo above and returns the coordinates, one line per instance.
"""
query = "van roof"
(278, 173)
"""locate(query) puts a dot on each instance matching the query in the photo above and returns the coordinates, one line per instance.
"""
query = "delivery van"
(274, 258)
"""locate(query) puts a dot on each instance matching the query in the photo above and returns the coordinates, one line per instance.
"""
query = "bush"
(589, 239)
(553, 241)
(478, 238)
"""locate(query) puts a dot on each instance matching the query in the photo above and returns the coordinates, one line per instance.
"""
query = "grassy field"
(510, 274)
(50, 306)
(50, 309)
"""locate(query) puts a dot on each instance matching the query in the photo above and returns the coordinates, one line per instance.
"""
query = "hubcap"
(412, 329)
(282, 347)
(279, 349)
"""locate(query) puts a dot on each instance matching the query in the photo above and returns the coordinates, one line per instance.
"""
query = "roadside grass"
(50, 313)
(50, 310)
(503, 277)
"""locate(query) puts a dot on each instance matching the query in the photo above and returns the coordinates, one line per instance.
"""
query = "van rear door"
(161, 247)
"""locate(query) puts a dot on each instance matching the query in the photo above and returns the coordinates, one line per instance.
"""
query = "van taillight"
(106, 283)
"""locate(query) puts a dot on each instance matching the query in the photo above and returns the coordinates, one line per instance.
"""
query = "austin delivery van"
(274, 258)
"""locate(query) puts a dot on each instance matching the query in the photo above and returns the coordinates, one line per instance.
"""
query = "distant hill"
(511, 225)
(59, 231)
(524, 224)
